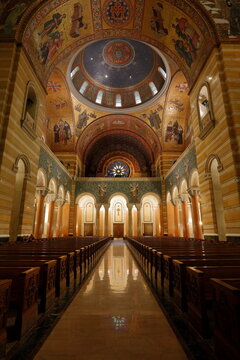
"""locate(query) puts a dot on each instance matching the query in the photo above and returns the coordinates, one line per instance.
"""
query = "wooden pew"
(199, 294)
(5, 290)
(60, 280)
(23, 299)
(47, 279)
(177, 275)
(226, 305)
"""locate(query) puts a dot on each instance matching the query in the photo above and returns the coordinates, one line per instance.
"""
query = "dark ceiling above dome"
(118, 73)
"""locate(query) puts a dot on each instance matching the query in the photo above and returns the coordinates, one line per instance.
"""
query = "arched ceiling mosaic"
(53, 29)
(127, 125)
(121, 145)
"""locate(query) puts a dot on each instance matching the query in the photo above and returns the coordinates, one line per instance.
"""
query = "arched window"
(29, 117)
(137, 97)
(83, 87)
(99, 97)
(118, 102)
(153, 88)
(205, 114)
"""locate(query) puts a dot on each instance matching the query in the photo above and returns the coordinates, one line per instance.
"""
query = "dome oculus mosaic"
(117, 73)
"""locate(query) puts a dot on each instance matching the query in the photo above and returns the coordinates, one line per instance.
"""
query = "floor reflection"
(118, 266)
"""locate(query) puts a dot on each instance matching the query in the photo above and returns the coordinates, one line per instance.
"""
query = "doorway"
(118, 230)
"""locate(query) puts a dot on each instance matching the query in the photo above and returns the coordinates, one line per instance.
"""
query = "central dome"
(118, 74)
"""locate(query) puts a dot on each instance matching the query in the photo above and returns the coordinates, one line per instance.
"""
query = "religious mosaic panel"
(117, 13)
(176, 32)
(54, 27)
(176, 113)
(59, 113)
(103, 189)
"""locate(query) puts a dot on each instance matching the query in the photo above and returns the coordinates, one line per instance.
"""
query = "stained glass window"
(118, 169)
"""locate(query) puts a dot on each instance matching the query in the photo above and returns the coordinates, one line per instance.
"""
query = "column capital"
(176, 201)
(51, 197)
(60, 201)
(184, 197)
(106, 206)
(193, 191)
(130, 205)
(138, 206)
(41, 190)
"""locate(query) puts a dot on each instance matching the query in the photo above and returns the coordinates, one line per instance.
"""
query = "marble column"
(51, 203)
(130, 220)
(170, 219)
(97, 222)
(106, 224)
(184, 199)
(139, 225)
(176, 203)
(197, 226)
(41, 193)
(60, 203)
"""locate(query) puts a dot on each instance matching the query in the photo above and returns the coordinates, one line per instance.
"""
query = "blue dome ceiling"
(118, 74)
(118, 63)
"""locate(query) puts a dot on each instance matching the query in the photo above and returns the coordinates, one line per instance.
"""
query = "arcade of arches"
(119, 118)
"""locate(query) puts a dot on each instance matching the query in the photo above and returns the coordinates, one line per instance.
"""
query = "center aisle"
(114, 316)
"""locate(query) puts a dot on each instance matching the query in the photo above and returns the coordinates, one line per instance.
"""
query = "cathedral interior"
(120, 118)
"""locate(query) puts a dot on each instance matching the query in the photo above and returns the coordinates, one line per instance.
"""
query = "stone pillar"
(97, 222)
(185, 198)
(106, 206)
(51, 203)
(139, 232)
(41, 193)
(161, 222)
(78, 220)
(197, 226)
(59, 218)
(156, 210)
(65, 219)
(176, 216)
(130, 218)
(72, 211)
(170, 219)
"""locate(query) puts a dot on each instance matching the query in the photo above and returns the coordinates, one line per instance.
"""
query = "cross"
(118, 10)
(54, 86)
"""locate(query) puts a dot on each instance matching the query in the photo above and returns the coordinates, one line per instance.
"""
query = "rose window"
(118, 169)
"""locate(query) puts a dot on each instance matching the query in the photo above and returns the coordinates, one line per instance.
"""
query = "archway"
(150, 215)
(86, 215)
(119, 216)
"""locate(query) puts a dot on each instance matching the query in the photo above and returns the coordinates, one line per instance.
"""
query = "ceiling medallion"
(118, 53)
(117, 13)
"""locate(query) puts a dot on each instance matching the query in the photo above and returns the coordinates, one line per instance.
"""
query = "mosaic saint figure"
(82, 119)
(52, 24)
(77, 20)
(154, 119)
(157, 20)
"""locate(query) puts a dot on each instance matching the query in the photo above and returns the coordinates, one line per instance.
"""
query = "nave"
(113, 316)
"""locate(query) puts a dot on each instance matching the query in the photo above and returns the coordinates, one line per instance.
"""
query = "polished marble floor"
(113, 316)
